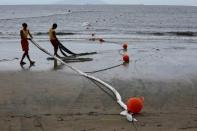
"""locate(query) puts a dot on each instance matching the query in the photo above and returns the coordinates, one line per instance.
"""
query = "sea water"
(138, 25)
(113, 21)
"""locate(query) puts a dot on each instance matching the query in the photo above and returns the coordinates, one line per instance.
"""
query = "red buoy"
(126, 58)
(125, 46)
(135, 105)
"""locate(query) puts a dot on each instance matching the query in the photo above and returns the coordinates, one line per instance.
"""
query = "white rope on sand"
(116, 93)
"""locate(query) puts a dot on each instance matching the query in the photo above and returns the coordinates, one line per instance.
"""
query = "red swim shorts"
(55, 43)
(25, 45)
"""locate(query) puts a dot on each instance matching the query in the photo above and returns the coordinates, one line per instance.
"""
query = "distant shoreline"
(96, 5)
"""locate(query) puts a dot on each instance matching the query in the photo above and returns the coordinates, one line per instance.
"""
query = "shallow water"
(148, 60)
(162, 39)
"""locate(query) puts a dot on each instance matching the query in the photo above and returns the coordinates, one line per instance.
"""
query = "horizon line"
(94, 4)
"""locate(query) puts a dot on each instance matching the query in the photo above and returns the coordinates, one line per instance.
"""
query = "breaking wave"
(178, 33)
(106, 31)
(58, 33)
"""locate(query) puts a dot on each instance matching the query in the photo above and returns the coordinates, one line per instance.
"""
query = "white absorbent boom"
(115, 92)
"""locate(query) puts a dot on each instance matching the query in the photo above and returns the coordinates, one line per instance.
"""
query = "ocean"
(146, 29)
(122, 22)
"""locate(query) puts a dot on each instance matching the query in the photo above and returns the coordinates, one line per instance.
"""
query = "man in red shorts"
(53, 39)
(24, 33)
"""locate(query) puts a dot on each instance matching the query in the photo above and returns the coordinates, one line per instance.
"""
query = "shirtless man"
(53, 39)
(25, 33)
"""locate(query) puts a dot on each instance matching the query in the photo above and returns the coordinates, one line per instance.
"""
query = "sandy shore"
(50, 97)
(59, 101)
(162, 45)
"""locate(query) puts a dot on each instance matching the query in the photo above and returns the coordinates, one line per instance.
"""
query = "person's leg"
(31, 62)
(56, 48)
(21, 62)
(55, 51)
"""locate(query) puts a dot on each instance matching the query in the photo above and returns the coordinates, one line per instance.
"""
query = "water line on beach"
(4, 60)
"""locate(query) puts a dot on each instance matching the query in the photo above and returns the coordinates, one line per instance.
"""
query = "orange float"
(125, 46)
(126, 58)
(135, 104)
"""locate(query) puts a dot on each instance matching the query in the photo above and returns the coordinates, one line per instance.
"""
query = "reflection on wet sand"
(24, 68)
(57, 66)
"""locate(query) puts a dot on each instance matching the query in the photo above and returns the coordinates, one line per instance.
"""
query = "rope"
(98, 85)
(92, 72)
(115, 92)
(64, 49)
(64, 54)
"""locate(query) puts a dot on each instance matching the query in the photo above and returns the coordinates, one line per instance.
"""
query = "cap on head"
(24, 25)
(54, 25)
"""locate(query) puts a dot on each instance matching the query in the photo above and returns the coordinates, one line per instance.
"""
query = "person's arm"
(21, 34)
(30, 34)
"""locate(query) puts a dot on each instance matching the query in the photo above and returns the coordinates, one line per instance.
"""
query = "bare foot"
(32, 62)
(22, 63)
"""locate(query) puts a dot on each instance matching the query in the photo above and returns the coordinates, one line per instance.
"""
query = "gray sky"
(147, 2)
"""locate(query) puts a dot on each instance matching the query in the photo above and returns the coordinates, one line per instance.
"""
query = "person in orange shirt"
(25, 33)
(53, 39)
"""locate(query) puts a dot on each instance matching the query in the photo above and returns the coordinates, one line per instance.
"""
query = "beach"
(63, 101)
(60, 99)
(50, 96)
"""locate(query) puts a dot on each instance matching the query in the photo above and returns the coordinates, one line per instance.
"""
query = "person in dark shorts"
(25, 36)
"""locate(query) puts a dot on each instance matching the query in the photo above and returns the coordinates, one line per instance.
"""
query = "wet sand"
(56, 100)
(51, 97)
